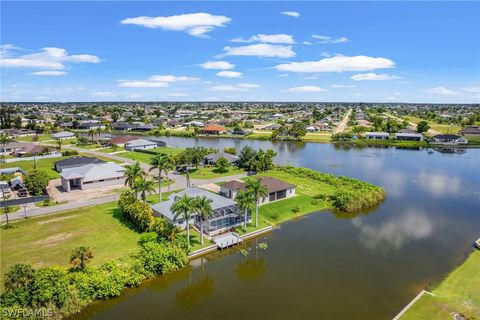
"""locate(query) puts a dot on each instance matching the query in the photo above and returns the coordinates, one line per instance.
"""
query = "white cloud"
(229, 74)
(440, 90)
(239, 87)
(142, 84)
(328, 39)
(105, 94)
(268, 38)
(291, 13)
(307, 43)
(373, 77)
(195, 24)
(177, 94)
(218, 65)
(338, 64)
(134, 96)
(49, 73)
(472, 89)
(343, 86)
(46, 58)
(155, 81)
(172, 78)
(248, 85)
(306, 89)
(261, 50)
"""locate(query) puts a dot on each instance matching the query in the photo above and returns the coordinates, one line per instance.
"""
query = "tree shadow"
(117, 214)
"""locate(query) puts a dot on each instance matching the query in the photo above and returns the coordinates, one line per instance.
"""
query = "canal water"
(327, 265)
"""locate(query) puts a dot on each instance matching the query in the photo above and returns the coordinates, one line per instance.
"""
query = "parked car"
(22, 193)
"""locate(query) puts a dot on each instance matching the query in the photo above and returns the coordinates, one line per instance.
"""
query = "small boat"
(477, 243)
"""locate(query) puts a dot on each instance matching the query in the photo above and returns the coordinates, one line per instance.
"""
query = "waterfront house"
(74, 162)
(276, 189)
(121, 126)
(211, 159)
(140, 144)
(212, 129)
(63, 135)
(473, 130)
(409, 136)
(377, 135)
(92, 176)
(449, 139)
(91, 126)
(226, 214)
(120, 141)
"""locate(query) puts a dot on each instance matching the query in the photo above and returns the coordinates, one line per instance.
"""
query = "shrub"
(162, 257)
(36, 182)
(68, 153)
(50, 286)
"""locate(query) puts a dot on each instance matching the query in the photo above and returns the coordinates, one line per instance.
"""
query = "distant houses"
(377, 135)
(211, 159)
(409, 136)
(276, 189)
(472, 130)
(213, 129)
(142, 144)
(63, 135)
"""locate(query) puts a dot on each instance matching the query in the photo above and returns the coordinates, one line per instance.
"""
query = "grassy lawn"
(50, 240)
(473, 139)
(459, 292)
(212, 172)
(442, 128)
(41, 137)
(89, 146)
(318, 137)
(259, 135)
(110, 150)
(145, 157)
(42, 164)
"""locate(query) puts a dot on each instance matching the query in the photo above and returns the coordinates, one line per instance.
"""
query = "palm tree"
(144, 186)
(244, 201)
(80, 256)
(255, 187)
(133, 173)
(203, 207)
(183, 206)
(59, 145)
(3, 141)
(91, 132)
(163, 163)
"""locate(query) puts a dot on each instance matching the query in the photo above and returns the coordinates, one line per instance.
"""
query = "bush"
(68, 153)
(49, 286)
(36, 182)
(162, 257)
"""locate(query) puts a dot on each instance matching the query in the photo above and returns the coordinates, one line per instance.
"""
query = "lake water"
(327, 266)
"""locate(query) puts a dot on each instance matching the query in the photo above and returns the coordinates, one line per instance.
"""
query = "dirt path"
(343, 124)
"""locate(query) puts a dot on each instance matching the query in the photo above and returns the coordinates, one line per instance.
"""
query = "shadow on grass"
(117, 214)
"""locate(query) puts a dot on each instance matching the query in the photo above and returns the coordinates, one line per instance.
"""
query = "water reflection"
(394, 233)
(438, 184)
(196, 291)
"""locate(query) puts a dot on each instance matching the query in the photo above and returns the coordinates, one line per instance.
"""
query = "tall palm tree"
(244, 201)
(91, 132)
(59, 145)
(258, 191)
(133, 173)
(203, 207)
(144, 186)
(163, 164)
(3, 141)
(183, 206)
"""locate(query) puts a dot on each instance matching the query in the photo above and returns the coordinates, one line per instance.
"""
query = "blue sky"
(259, 51)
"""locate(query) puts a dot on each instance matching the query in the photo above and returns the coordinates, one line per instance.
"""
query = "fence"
(20, 201)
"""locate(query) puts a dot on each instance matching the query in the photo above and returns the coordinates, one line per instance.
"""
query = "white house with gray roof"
(92, 176)
(140, 144)
(377, 135)
(225, 214)
(63, 135)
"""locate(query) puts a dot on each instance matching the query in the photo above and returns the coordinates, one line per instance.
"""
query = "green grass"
(145, 157)
(50, 240)
(42, 164)
(89, 146)
(41, 137)
(392, 143)
(212, 172)
(442, 128)
(318, 137)
(110, 150)
(473, 139)
(459, 292)
(259, 136)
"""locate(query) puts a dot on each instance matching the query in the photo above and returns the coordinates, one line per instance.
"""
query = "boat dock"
(477, 243)
(227, 240)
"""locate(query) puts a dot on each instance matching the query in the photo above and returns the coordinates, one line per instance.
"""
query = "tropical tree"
(80, 256)
(133, 173)
(222, 164)
(91, 132)
(59, 145)
(184, 206)
(258, 191)
(185, 160)
(3, 141)
(244, 201)
(203, 207)
(423, 126)
(144, 186)
(163, 164)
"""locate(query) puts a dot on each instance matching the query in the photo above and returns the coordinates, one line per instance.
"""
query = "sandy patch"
(53, 240)
(57, 219)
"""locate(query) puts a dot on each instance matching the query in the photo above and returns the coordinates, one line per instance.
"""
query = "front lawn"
(211, 172)
(50, 240)
(39, 137)
(318, 137)
(42, 164)
(458, 293)
(145, 157)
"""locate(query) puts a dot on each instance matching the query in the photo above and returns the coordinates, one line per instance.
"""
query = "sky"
(424, 52)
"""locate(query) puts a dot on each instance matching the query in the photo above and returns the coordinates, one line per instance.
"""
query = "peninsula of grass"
(317, 191)
(458, 293)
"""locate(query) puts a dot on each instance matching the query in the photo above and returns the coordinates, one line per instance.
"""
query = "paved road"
(180, 182)
(343, 124)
